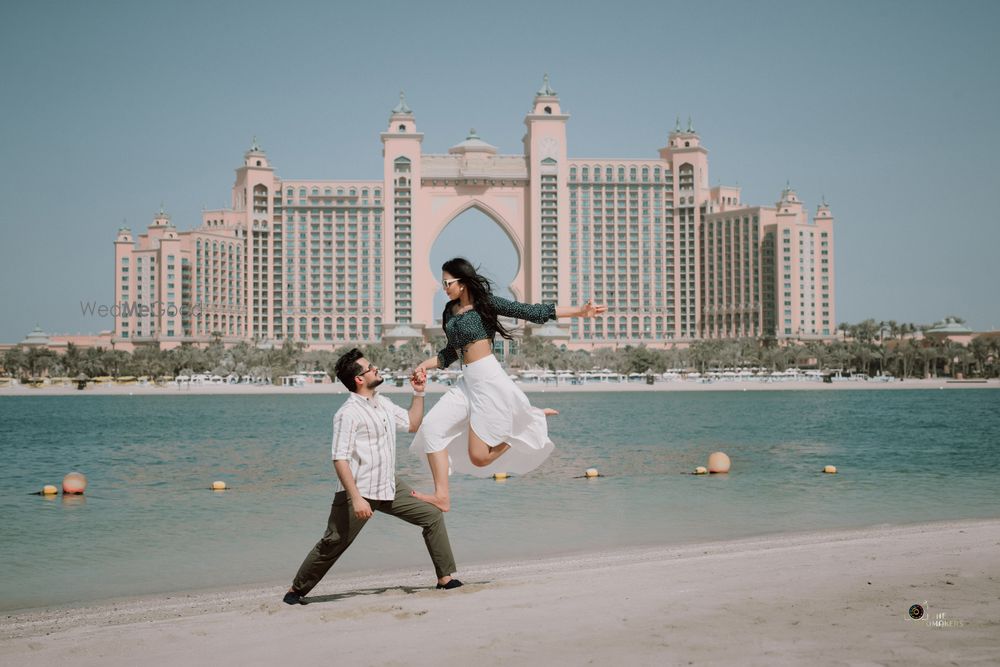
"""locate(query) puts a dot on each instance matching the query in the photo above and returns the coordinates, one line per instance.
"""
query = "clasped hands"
(418, 379)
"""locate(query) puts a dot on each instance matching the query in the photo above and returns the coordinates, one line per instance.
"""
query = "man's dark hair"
(348, 368)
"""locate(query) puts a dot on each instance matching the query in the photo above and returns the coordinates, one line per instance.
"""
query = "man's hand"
(362, 509)
(418, 380)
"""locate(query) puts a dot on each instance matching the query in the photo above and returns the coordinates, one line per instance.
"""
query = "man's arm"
(419, 382)
(362, 509)
(344, 434)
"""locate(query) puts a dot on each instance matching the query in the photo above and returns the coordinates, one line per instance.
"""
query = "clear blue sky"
(890, 109)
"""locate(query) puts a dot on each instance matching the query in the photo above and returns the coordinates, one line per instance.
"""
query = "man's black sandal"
(293, 598)
(454, 583)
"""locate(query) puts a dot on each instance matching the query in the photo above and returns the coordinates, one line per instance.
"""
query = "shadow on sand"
(347, 595)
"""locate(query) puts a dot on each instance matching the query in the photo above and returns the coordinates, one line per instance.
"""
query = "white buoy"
(591, 472)
(700, 470)
(219, 486)
(830, 470)
(49, 490)
(500, 476)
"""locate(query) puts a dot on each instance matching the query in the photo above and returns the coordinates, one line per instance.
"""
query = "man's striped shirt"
(364, 434)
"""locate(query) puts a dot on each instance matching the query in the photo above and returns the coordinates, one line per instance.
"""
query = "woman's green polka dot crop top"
(468, 327)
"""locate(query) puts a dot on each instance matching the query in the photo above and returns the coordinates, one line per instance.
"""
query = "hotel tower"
(343, 261)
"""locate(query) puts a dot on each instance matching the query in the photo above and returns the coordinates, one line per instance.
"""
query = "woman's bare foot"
(442, 503)
(550, 412)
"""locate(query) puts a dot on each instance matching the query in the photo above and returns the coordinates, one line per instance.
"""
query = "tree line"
(868, 347)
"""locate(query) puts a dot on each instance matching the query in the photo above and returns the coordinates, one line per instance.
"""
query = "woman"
(485, 416)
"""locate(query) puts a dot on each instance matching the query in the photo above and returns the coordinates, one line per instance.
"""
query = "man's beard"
(376, 382)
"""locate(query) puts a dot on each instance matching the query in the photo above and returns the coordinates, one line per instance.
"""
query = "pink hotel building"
(332, 262)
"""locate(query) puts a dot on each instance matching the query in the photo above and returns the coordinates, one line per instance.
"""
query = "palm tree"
(15, 362)
(994, 348)
(909, 353)
(867, 331)
(71, 360)
(861, 354)
(929, 354)
(979, 349)
(39, 360)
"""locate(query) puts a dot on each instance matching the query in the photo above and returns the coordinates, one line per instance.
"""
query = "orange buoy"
(718, 462)
(74, 483)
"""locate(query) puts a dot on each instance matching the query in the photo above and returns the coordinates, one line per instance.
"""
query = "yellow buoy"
(830, 469)
(49, 490)
(718, 462)
(591, 472)
(219, 486)
(499, 476)
(74, 483)
(700, 470)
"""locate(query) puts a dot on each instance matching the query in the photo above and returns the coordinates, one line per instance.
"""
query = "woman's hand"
(589, 309)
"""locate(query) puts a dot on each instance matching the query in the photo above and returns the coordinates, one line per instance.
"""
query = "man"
(364, 457)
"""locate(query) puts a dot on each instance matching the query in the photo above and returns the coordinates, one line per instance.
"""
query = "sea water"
(149, 523)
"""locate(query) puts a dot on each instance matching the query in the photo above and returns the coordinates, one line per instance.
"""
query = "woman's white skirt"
(497, 410)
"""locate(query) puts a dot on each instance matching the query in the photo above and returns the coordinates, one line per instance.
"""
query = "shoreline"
(782, 599)
(439, 388)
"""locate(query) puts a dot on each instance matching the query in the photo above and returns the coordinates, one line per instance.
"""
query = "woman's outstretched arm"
(540, 313)
(586, 310)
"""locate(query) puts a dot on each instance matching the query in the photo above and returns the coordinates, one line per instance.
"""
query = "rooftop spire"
(690, 126)
(677, 125)
(402, 107)
(254, 147)
(546, 89)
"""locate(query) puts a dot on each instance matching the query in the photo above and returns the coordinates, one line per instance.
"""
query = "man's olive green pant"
(343, 526)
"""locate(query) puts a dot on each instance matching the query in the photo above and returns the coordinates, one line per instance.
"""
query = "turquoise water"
(149, 524)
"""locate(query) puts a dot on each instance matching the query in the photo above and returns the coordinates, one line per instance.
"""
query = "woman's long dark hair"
(480, 289)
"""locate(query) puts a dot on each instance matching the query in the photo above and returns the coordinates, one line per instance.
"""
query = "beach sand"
(822, 598)
(527, 387)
